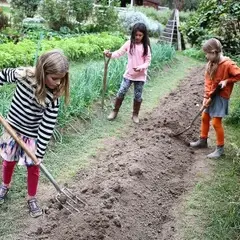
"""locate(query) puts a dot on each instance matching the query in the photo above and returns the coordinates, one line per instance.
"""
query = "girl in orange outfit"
(220, 70)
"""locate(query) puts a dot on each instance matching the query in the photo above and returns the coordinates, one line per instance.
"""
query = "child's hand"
(223, 83)
(107, 53)
(137, 69)
(206, 102)
(39, 161)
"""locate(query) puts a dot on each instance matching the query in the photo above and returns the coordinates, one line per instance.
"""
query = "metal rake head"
(70, 201)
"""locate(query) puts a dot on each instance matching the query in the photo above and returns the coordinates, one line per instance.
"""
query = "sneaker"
(3, 193)
(200, 143)
(34, 210)
(219, 151)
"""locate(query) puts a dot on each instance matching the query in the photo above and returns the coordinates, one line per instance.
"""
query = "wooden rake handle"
(106, 62)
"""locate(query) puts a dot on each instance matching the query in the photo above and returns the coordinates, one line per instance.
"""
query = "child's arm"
(46, 128)
(120, 52)
(207, 87)
(8, 75)
(234, 72)
(146, 63)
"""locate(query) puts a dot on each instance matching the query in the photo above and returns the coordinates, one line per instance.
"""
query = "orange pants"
(217, 124)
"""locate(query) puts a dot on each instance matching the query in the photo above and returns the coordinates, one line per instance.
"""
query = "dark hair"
(140, 27)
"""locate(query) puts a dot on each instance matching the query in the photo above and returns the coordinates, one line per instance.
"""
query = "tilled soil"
(133, 184)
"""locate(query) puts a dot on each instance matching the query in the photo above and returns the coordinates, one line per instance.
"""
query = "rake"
(212, 96)
(65, 197)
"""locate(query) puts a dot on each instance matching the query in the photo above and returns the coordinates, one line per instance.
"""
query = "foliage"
(77, 49)
(234, 116)
(66, 13)
(82, 9)
(56, 13)
(105, 19)
(23, 8)
(186, 5)
(194, 53)
(191, 5)
(215, 20)
(160, 16)
(184, 16)
(129, 18)
(3, 19)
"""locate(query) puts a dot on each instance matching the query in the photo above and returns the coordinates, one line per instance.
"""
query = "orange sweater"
(227, 70)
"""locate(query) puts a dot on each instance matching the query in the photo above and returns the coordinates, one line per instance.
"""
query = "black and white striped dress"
(32, 121)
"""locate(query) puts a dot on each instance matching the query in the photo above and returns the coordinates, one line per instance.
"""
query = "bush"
(3, 19)
(160, 16)
(105, 19)
(215, 20)
(76, 49)
(194, 53)
(56, 13)
(82, 9)
(128, 19)
(23, 8)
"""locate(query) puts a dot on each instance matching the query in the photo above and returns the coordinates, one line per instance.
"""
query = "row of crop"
(76, 49)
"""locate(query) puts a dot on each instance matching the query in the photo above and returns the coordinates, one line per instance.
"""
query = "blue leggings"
(125, 85)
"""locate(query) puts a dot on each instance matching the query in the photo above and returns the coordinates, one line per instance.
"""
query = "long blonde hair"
(52, 62)
(213, 46)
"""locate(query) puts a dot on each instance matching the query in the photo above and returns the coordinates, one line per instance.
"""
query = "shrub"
(129, 18)
(160, 16)
(3, 19)
(56, 13)
(105, 19)
(195, 53)
(215, 20)
(82, 9)
(23, 8)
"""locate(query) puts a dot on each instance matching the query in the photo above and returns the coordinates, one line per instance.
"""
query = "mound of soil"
(133, 184)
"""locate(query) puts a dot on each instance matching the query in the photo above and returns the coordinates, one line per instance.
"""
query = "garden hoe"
(106, 62)
(212, 96)
(65, 197)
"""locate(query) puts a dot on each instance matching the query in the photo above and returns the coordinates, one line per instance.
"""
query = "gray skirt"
(218, 107)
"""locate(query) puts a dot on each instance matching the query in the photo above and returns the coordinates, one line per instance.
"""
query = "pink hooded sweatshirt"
(135, 60)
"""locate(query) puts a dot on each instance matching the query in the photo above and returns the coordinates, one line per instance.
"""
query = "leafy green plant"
(27, 7)
(77, 48)
(215, 20)
(3, 19)
(21, 9)
(194, 53)
(82, 9)
(56, 13)
(160, 16)
(105, 19)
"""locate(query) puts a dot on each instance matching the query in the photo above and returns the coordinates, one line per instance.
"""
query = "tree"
(27, 8)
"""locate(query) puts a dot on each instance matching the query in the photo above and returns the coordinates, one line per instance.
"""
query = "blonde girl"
(33, 114)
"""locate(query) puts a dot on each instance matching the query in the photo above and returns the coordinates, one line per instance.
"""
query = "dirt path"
(134, 183)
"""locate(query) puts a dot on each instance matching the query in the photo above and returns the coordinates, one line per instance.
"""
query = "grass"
(65, 159)
(214, 203)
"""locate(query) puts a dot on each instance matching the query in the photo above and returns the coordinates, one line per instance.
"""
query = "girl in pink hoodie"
(139, 58)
